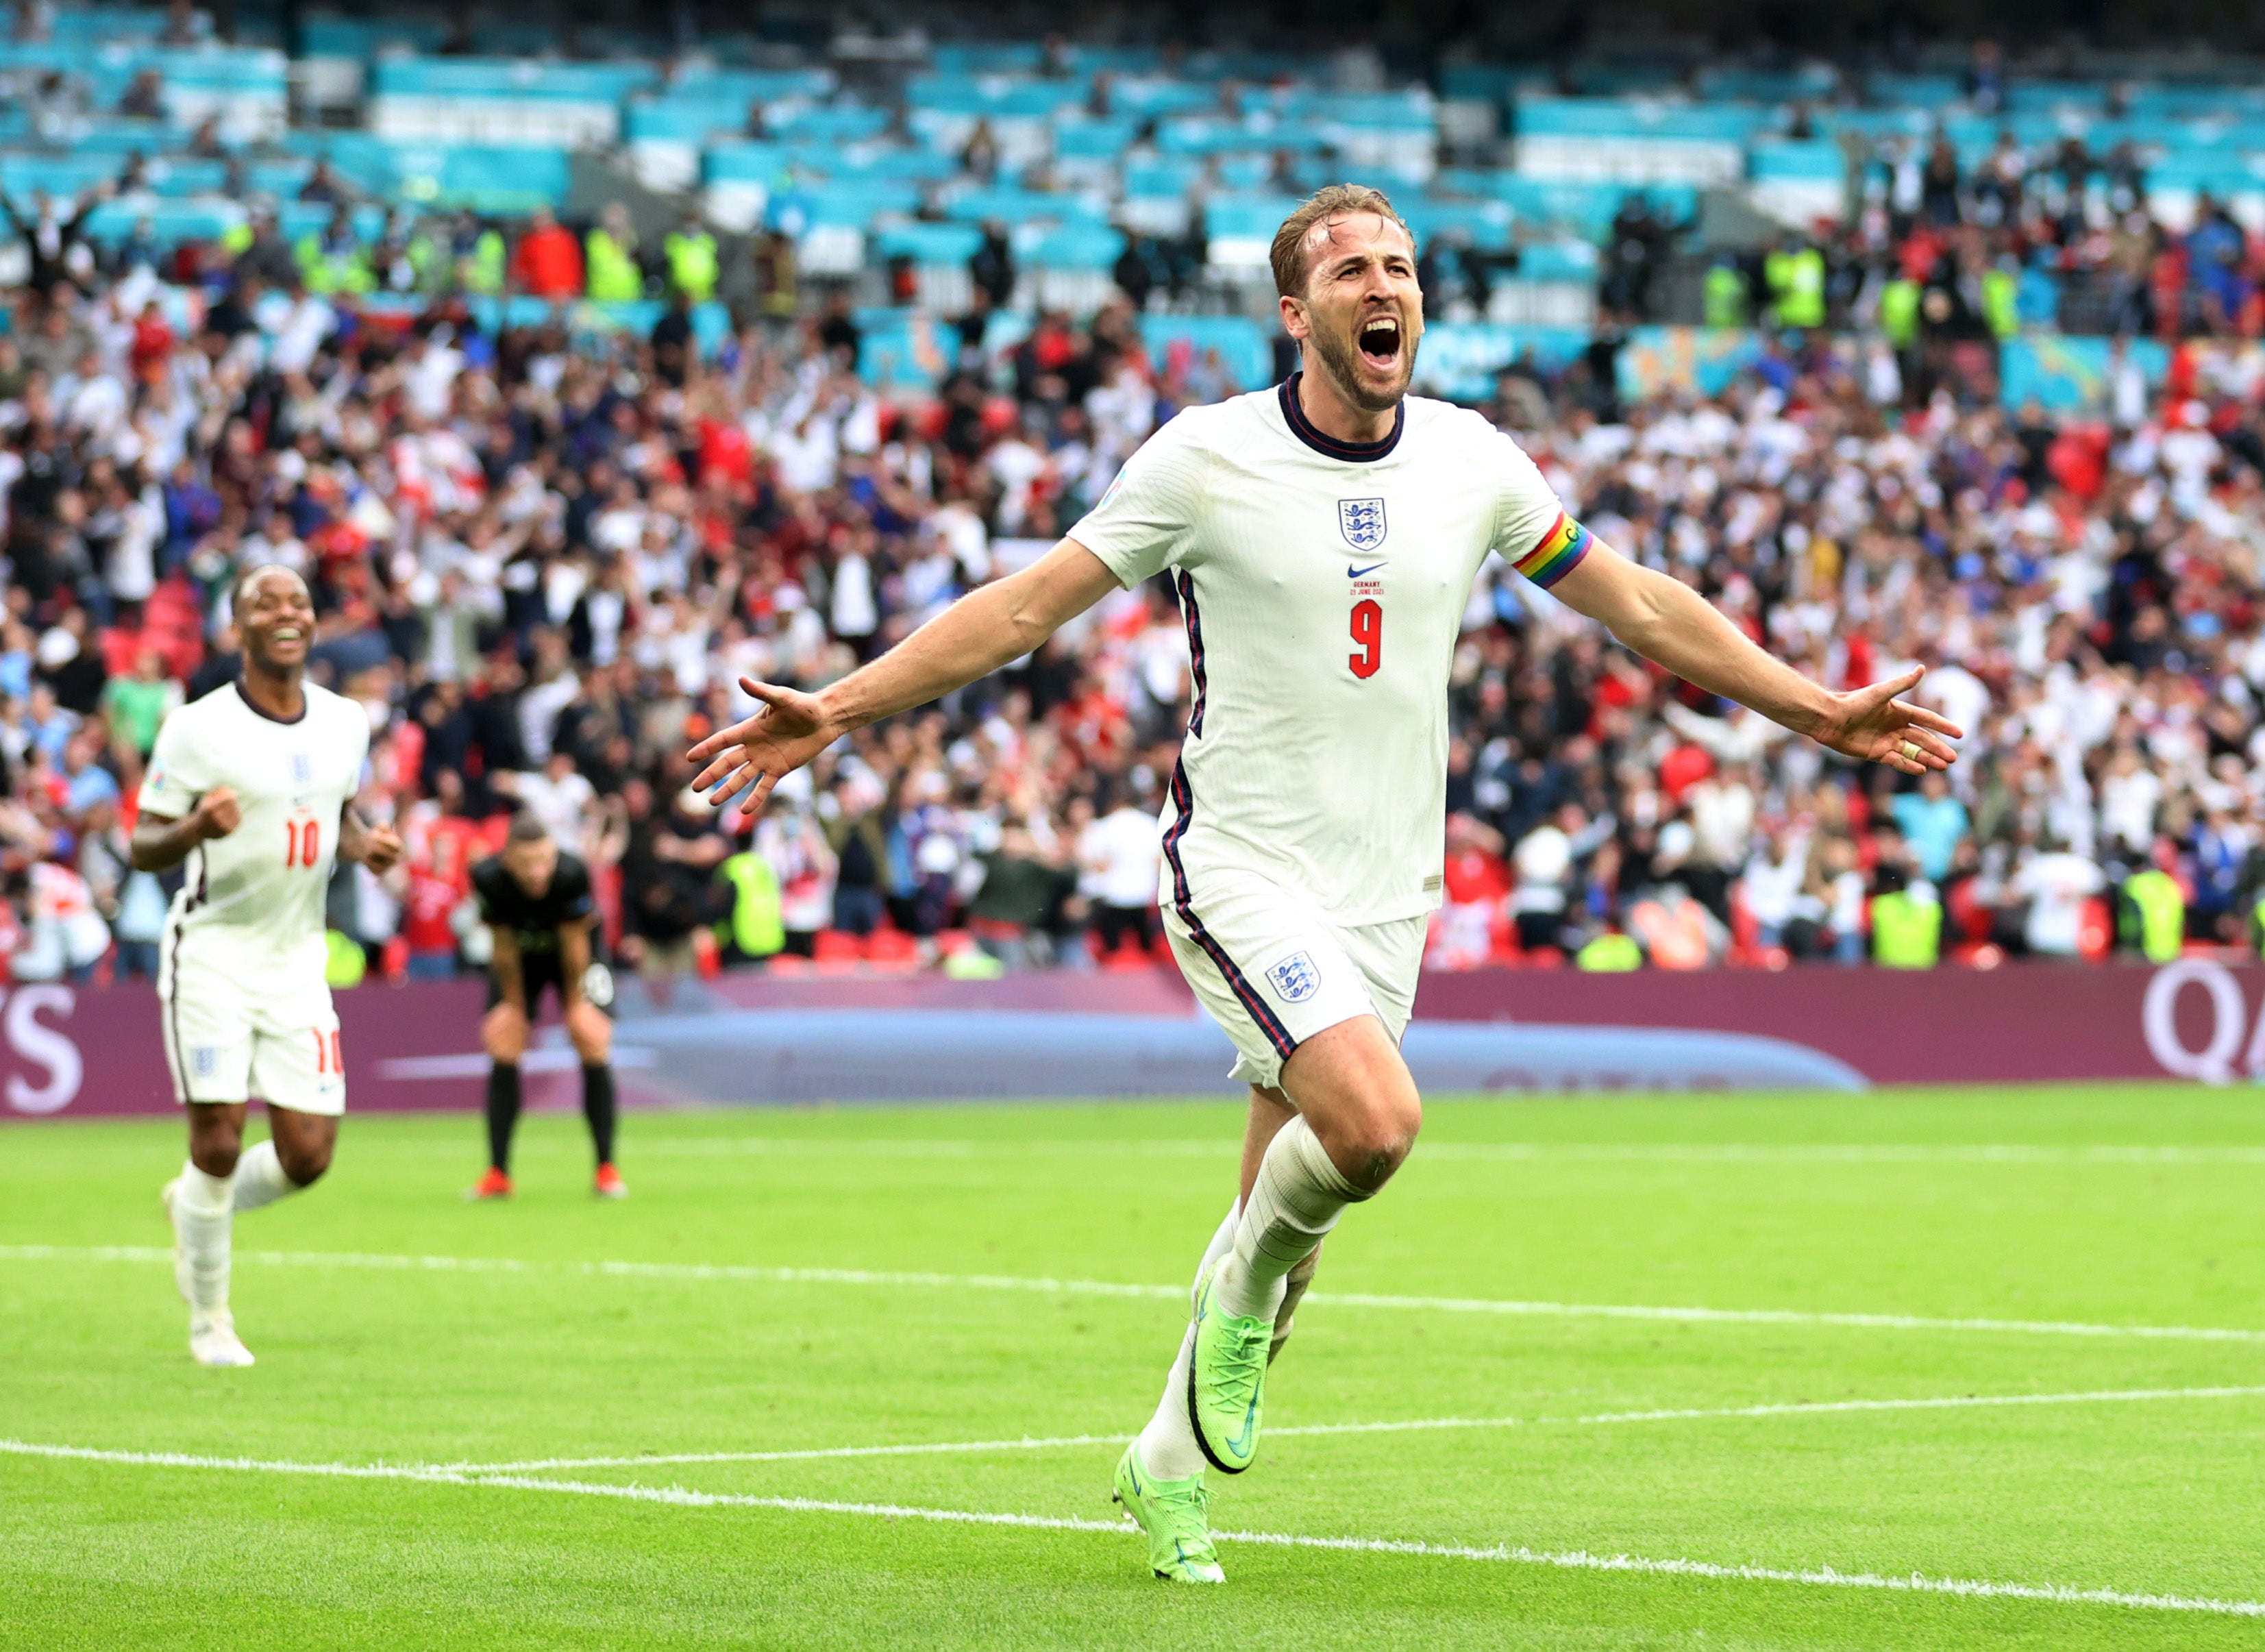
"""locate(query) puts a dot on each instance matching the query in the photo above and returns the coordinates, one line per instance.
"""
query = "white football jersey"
(253, 901)
(1323, 585)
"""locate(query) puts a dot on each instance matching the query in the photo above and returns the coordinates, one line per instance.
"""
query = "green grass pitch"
(798, 1288)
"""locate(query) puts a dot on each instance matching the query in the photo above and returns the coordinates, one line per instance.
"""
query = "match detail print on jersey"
(1558, 554)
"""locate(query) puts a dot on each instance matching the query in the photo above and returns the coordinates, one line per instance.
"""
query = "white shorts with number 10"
(231, 1040)
(1273, 970)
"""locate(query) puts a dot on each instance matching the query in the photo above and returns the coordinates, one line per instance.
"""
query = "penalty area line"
(724, 1272)
(1569, 1560)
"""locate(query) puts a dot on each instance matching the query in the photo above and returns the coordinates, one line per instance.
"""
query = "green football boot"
(1171, 1512)
(1227, 1379)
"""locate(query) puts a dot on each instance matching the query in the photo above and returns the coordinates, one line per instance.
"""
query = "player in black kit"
(538, 903)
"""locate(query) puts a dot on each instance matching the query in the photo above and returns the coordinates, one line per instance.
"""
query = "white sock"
(202, 1207)
(259, 1179)
(1221, 1243)
(1168, 1444)
(1297, 1198)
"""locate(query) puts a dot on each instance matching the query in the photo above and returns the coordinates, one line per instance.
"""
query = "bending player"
(252, 787)
(538, 903)
(1323, 537)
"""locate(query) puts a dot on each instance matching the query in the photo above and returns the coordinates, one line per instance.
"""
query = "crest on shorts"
(1296, 978)
(1361, 522)
(204, 1061)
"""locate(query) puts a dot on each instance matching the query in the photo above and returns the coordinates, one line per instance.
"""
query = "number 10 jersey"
(250, 904)
(1323, 585)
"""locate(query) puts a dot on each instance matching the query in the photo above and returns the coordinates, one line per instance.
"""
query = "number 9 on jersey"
(1368, 632)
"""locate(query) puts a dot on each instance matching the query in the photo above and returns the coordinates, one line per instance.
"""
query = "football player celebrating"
(250, 791)
(1323, 538)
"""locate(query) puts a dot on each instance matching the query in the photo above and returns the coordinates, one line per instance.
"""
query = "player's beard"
(1342, 361)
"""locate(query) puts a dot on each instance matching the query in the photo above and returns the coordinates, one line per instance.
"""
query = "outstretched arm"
(1670, 625)
(970, 639)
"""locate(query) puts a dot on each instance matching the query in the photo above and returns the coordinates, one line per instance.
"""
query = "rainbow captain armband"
(1561, 550)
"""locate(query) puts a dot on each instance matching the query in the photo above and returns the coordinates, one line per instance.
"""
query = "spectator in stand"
(1022, 889)
(564, 800)
(991, 268)
(803, 866)
(548, 263)
(1117, 859)
(669, 891)
(550, 558)
(2051, 887)
(138, 701)
(1543, 860)
(1934, 822)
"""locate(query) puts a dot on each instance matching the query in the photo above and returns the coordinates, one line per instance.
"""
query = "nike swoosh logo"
(1353, 572)
(1240, 1445)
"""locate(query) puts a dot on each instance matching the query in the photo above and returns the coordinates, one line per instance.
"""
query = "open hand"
(788, 729)
(1875, 724)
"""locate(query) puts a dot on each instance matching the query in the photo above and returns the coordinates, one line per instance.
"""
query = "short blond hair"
(1292, 267)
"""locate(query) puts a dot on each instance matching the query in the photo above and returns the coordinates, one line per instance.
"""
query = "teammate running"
(537, 904)
(253, 787)
(1323, 537)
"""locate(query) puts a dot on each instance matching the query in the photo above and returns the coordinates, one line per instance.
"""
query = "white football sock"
(204, 1214)
(1297, 1198)
(259, 1179)
(1168, 1444)
(1221, 1243)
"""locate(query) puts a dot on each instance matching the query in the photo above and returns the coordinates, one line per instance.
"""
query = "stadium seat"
(502, 101)
(892, 950)
(2096, 930)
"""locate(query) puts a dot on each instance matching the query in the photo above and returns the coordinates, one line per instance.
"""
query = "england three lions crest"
(1296, 978)
(1361, 522)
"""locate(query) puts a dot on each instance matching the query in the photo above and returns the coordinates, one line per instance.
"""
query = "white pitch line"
(1063, 1442)
(1613, 1152)
(1573, 1559)
(1781, 1316)
(732, 1272)
(931, 1448)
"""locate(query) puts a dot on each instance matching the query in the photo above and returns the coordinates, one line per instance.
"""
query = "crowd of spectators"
(2045, 232)
(541, 563)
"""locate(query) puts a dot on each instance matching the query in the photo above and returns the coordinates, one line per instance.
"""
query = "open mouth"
(1379, 341)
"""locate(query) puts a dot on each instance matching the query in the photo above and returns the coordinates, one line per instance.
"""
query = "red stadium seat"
(2095, 931)
(893, 949)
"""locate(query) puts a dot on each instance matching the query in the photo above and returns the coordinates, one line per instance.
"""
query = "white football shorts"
(228, 1039)
(1273, 970)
